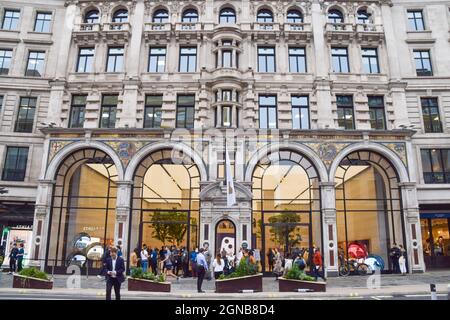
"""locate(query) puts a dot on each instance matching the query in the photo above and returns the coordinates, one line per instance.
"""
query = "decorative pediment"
(216, 192)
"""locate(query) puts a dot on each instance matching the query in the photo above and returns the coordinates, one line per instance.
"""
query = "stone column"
(40, 223)
(57, 88)
(329, 236)
(412, 230)
(122, 215)
(134, 46)
(129, 104)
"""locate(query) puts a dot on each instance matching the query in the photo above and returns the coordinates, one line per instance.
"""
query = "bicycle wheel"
(363, 269)
(344, 270)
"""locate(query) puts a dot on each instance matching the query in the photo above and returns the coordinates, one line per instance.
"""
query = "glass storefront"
(286, 207)
(165, 202)
(435, 225)
(83, 210)
(368, 208)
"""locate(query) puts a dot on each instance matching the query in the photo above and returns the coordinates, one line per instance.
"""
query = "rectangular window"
(297, 60)
(370, 60)
(185, 111)
(377, 115)
(157, 60)
(345, 112)
(15, 164)
(108, 112)
(431, 117)
(423, 62)
(10, 19)
(77, 111)
(188, 60)
(85, 60)
(267, 112)
(300, 112)
(415, 20)
(153, 105)
(340, 60)
(115, 59)
(1, 103)
(25, 116)
(226, 58)
(43, 22)
(436, 165)
(35, 65)
(226, 116)
(5, 60)
(266, 59)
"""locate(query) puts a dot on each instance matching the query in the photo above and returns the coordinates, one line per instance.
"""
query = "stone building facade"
(319, 95)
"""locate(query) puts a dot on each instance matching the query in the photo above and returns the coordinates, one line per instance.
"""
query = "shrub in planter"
(245, 277)
(296, 279)
(147, 281)
(32, 278)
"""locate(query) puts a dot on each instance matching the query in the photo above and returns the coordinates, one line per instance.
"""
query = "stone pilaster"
(330, 254)
(122, 214)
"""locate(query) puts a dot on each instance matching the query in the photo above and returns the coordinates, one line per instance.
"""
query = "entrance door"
(289, 239)
(225, 237)
(436, 240)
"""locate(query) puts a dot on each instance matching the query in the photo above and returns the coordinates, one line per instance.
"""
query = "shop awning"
(439, 215)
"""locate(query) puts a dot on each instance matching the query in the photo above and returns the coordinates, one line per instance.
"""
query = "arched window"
(120, 15)
(161, 16)
(294, 16)
(227, 15)
(363, 16)
(92, 16)
(264, 15)
(335, 16)
(190, 15)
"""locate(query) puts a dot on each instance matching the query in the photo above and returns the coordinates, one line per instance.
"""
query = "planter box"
(147, 285)
(236, 285)
(31, 283)
(291, 285)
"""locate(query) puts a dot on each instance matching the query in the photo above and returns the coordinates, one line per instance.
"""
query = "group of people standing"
(16, 256)
(398, 258)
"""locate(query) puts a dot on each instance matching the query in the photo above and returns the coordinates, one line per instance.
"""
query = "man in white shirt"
(202, 268)
(115, 267)
(144, 258)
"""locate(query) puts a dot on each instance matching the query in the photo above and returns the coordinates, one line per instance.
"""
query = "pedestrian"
(218, 266)
(193, 258)
(162, 257)
(20, 255)
(185, 263)
(115, 267)
(106, 255)
(179, 262)
(395, 254)
(318, 264)
(402, 260)
(439, 246)
(168, 264)
(154, 260)
(13, 258)
(134, 259)
(119, 248)
(202, 268)
(300, 262)
(271, 259)
(278, 267)
(144, 258)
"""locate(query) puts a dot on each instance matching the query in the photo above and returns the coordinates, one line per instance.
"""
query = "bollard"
(433, 291)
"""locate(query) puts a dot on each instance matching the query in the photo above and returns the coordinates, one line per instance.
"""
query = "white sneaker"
(99, 276)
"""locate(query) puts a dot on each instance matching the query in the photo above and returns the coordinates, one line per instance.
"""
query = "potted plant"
(32, 278)
(295, 279)
(245, 277)
(147, 281)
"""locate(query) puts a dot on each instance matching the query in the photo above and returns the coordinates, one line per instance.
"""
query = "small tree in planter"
(244, 277)
(295, 279)
(32, 278)
(147, 281)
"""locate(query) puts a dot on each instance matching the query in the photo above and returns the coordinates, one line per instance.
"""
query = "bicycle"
(352, 267)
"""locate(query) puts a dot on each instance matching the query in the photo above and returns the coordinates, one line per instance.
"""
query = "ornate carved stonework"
(398, 148)
(55, 147)
(327, 151)
(40, 211)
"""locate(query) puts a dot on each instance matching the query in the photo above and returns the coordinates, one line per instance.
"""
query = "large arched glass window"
(190, 15)
(165, 201)
(368, 208)
(294, 16)
(227, 15)
(92, 16)
(264, 15)
(83, 210)
(120, 15)
(161, 16)
(363, 16)
(335, 16)
(286, 206)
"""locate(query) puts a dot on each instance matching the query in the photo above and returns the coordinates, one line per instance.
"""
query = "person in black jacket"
(13, 258)
(115, 268)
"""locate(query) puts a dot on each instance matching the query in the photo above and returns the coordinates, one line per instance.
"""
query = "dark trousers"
(154, 267)
(110, 283)
(217, 274)
(200, 276)
(185, 269)
(396, 265)
(19, 264)
(194, 269)
(12, 265)
(317, 274)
